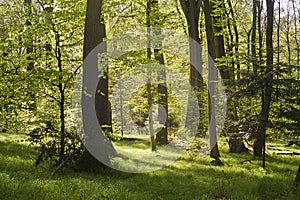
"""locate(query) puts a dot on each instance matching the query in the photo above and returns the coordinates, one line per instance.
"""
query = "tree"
(253, 36)
(149, 88)
(94, 34)
(212, 77)
(259, 145)
(191, 10)
(162, 135)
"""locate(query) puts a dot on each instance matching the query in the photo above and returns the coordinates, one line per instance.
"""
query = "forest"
(153, 99)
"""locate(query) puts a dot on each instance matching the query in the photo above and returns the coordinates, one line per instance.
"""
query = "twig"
(61, 165)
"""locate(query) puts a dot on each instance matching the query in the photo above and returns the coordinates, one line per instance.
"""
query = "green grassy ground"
(187, 178)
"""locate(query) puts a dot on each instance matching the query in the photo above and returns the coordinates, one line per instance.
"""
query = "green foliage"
(46, 140)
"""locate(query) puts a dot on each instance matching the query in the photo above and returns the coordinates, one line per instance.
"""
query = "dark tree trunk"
(218, 11)
(95, 32)
(191, 11)
(259, 145)
(253, 36)
(212, 77)
(149, 92)
(60, 86)
(288, 38)
(236, 45)
(162, 135)
(278, 53)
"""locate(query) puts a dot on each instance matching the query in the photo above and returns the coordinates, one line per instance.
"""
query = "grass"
(187, 178)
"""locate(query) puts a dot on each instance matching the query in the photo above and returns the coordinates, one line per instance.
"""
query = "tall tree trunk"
(249, 50)
(62, 101)
(236, 45)
(230, 44)
(260, 36)
(149, 90)
(191, 11)
(296, 38)
(162, 135)
(253, 37)
(288, 39)
(95, 32)
(259, 145)
(278, 53)
(212, 77)
(218, 12)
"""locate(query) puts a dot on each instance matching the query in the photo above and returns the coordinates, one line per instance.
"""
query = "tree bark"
(218, 11)
(94, 34)
(253, 36)
(278, 53)
(191, 11)
(259, 144)
(212, 77)
(236, 45)
(149, 91)
(162, 135)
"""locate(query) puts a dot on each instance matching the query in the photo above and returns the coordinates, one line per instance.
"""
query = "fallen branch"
(287, 153)
(61, 165)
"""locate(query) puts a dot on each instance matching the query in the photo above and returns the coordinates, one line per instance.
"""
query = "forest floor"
(242, 177)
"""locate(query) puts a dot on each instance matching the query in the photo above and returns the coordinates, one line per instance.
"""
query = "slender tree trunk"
(212, 77)
(278, 53)
(259, 148)
(296, 41)
(162, 135)
(236, 45)
(121, 109)
(296, 33)
(230, 45)
(253, 36)
(260, 36)
(249, 50)
(288, 39)
(149, 90)
(62, 96)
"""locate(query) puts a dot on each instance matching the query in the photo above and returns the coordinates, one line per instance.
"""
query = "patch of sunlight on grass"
(139, 160)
